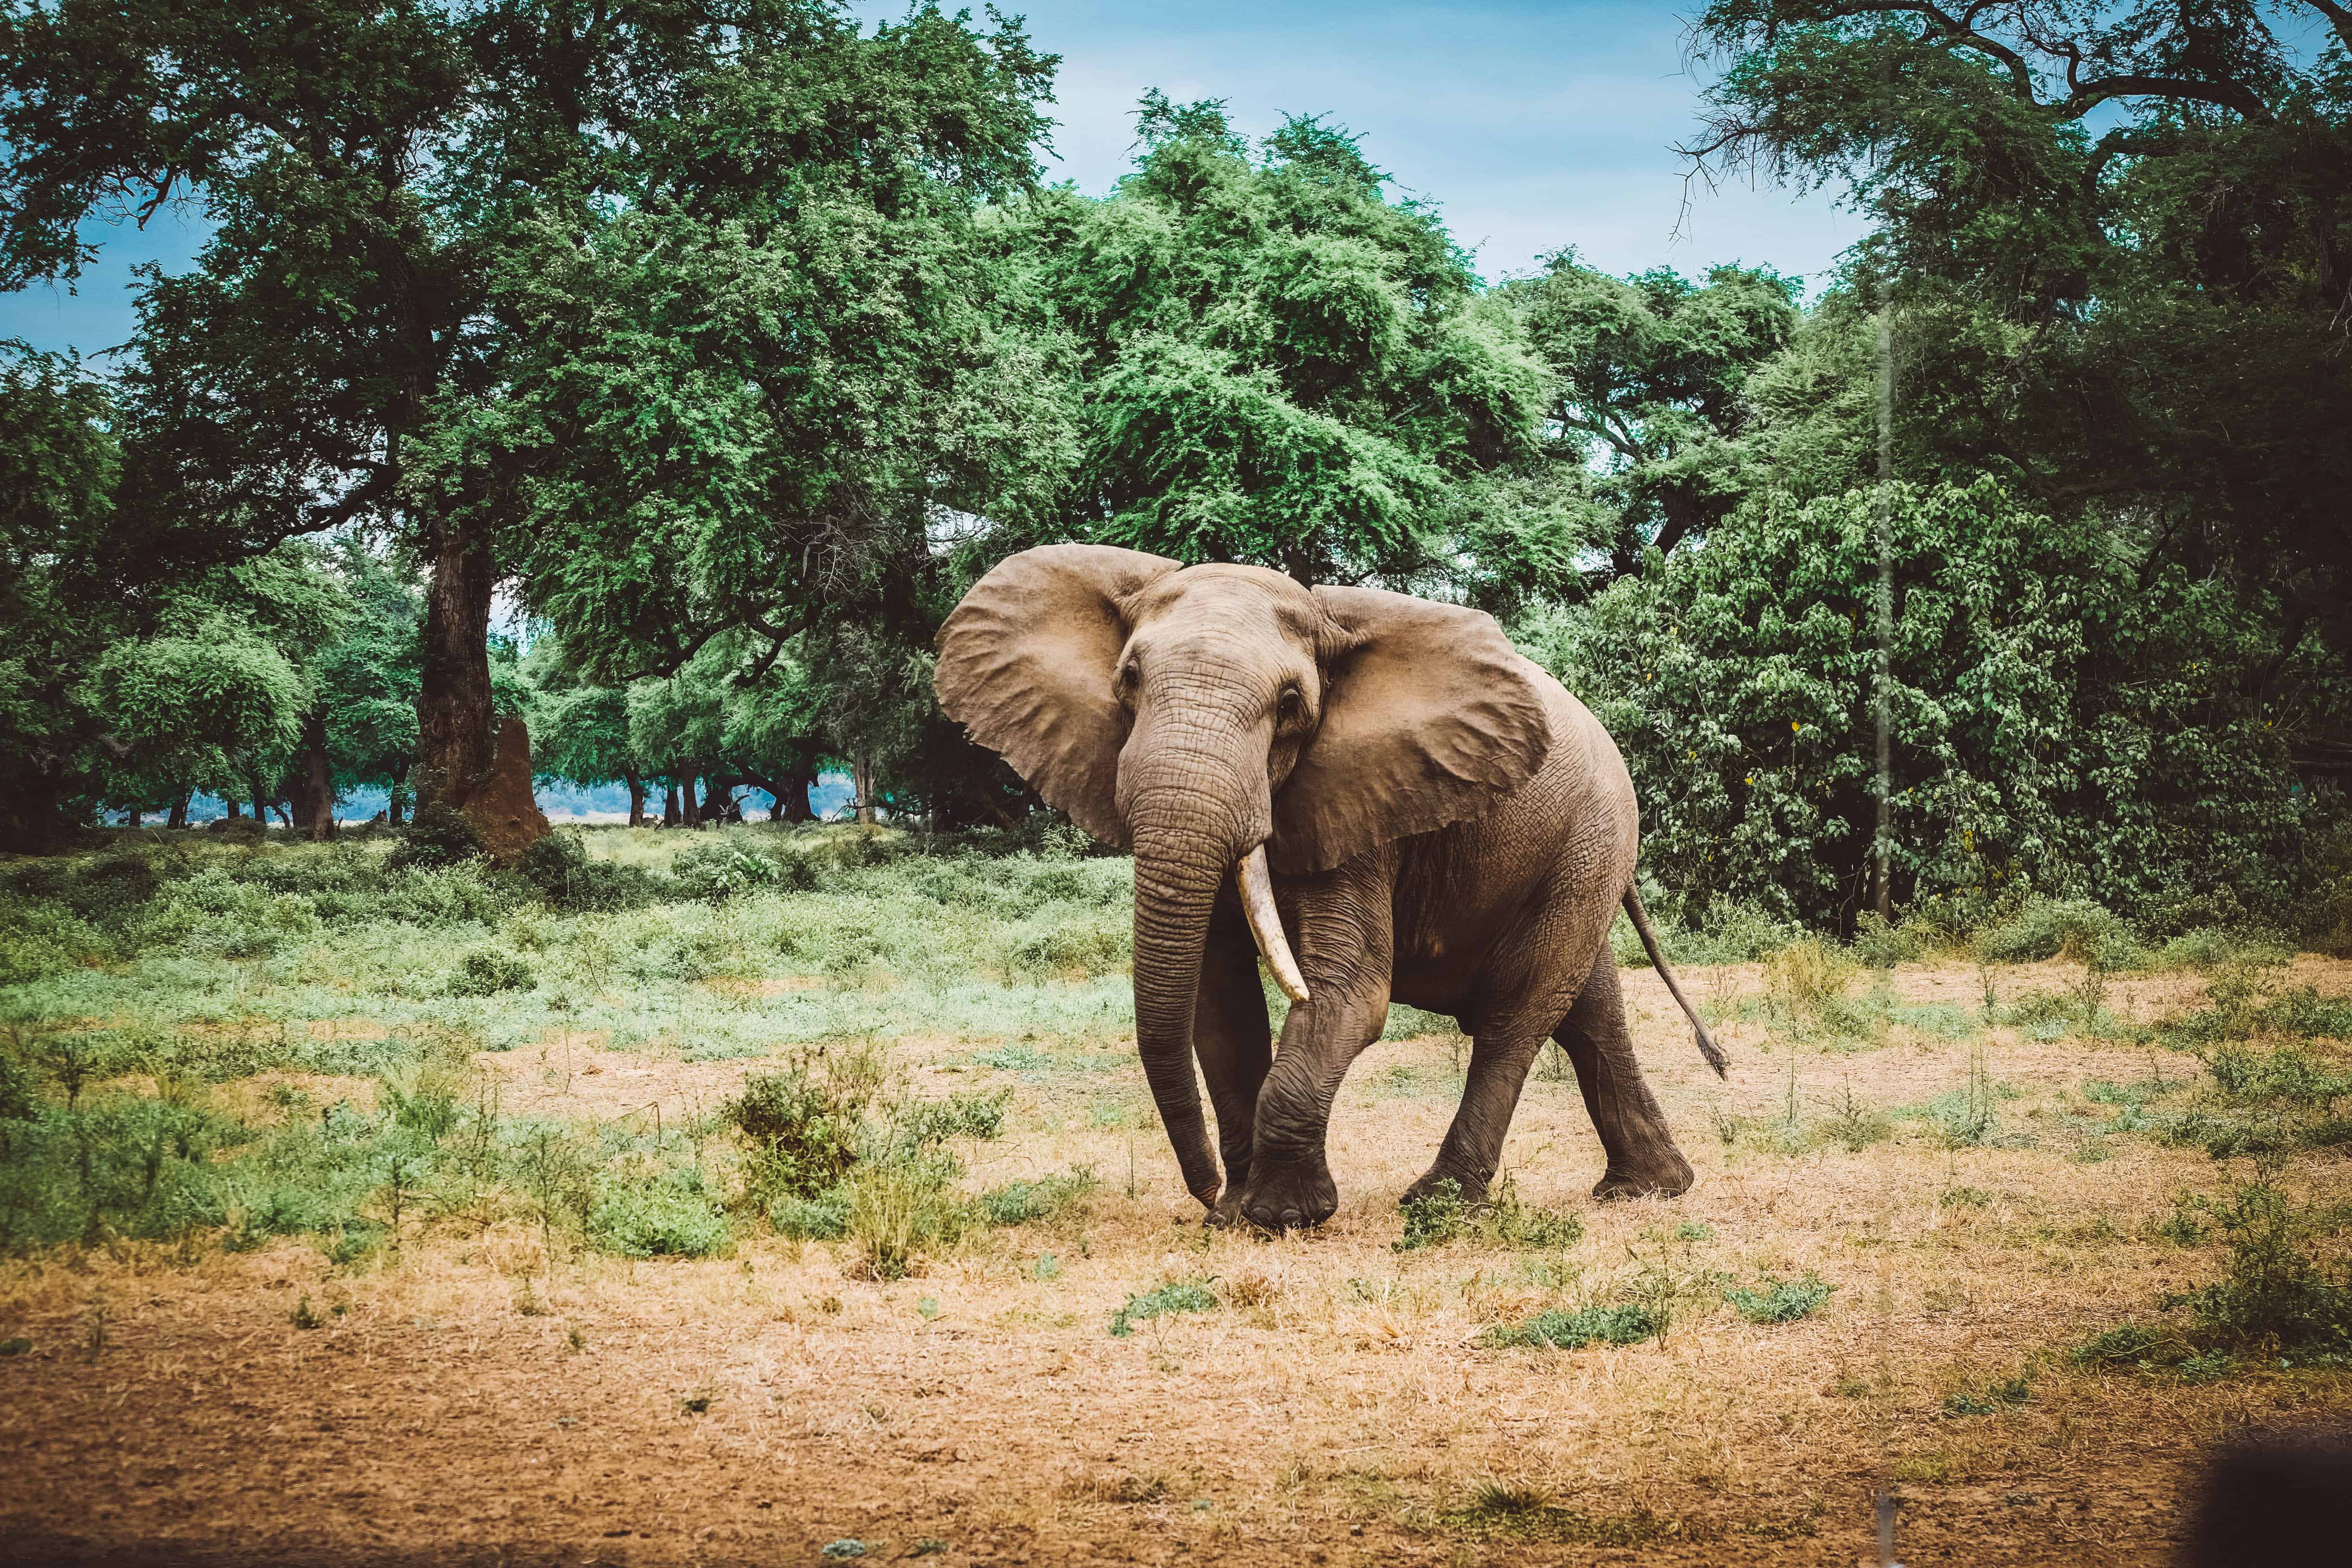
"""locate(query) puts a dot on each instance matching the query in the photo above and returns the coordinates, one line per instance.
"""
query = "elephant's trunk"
(1192, 813)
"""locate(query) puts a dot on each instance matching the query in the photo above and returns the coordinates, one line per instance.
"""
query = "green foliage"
(1559, 1329)
(1992, 1399)
(803, 1123)
(671, 1216)
(1277, 365)
(1650, 376)
(485, 972)
(1434, 1218)
(1781, 1301)
(2280, 1294)
(438, 836)
(1028, 1202)
(1440, 1215)
(2061, 723)
(1182, 1296)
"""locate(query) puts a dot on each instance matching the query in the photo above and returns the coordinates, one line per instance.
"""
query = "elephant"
(1374, 792)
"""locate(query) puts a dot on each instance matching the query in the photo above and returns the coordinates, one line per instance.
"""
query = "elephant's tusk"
(1257, 903)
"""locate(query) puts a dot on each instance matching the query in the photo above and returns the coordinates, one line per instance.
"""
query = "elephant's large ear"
(1025, 664)
(1429, 715)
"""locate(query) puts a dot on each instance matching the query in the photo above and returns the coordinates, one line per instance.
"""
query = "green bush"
(485, 972)
(824, 1217)
(670, 1217)
(2279, 1293)
(2074, 929)
(717, 868)
(802, 1124)
(1559, 1329)
(1781, 1301)
(437, 836)
(1881, 946)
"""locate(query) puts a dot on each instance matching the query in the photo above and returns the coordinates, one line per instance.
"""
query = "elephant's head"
(1217, 718)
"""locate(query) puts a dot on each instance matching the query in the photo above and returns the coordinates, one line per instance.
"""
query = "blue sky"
(1534, 126)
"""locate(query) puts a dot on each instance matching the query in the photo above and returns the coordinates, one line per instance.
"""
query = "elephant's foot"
(1225, 1213)
(1468, 1186)
(1291, 1196)
(1660, 1173)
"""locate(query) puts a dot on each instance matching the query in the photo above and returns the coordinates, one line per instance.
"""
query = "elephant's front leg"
(1231, 1038)
(1342, 937)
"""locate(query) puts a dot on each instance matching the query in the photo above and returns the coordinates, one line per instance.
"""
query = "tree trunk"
(670, 817)
(861, 774)
(797, 802)
(179, 817)
(228, 805)
(263, 799)
(690, 802)
(636, 799)
(396, 799)
(130, 818)
(314, 786)
(454, 711)
(718, 799)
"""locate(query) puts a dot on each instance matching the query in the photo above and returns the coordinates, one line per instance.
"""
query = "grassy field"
(795, 1196)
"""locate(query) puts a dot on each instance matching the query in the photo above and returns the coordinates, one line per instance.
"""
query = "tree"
(1280, 365)
(1650, 377)
(2152, 204)
(369, 675)
(390, 185)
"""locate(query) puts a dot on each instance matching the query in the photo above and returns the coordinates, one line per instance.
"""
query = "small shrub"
(1804, 979)
(1781, 1301)
(899, 1209)
(802, 1124)
(1192, 1296)
(1992, 1399)
(1856, 1123)
(438, 836)
(2074, 929)
(1512, 1223)
(1566, 1331)
(718, 869)
(1027, 1202)
(486, 972)
(1882, 947)
(559, 867)
(670, 1217)
(2277, 1293)
(821, 1218)
(1434, 1218)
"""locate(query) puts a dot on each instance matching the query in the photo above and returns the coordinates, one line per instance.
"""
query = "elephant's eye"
(1290, 712)
(1124, 682)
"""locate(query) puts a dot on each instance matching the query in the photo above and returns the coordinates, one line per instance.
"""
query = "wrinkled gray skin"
(1446, 826)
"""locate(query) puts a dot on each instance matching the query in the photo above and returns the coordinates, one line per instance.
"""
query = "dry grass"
(474, 1394)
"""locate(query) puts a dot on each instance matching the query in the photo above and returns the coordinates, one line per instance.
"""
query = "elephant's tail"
(1640, 919)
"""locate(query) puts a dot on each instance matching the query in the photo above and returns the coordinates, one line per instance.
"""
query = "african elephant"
(1375, 792)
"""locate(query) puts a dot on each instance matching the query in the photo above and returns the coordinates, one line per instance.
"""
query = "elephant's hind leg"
(1642, 1158)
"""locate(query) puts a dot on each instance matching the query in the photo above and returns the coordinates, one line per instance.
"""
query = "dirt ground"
(471, 1399)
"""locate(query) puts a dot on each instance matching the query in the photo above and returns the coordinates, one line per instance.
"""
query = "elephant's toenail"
(1293, 1217)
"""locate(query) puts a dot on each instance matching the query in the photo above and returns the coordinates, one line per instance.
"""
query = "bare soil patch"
(469, 1397)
